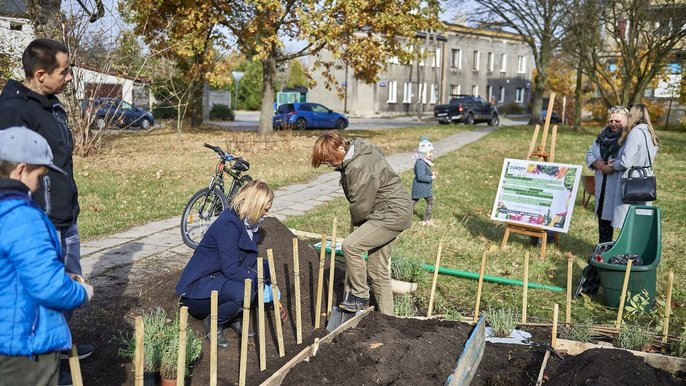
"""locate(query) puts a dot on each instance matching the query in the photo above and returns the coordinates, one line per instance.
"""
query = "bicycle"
(208, 203)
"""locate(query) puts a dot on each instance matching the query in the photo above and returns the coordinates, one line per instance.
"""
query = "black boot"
(221, 339)
(237, 327)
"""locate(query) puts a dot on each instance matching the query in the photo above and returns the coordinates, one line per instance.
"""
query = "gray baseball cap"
(19, 144)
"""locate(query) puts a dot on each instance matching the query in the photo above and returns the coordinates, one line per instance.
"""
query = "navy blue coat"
(422, 185)
(226, 256)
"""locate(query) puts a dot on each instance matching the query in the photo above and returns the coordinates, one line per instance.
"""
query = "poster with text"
(537, 194)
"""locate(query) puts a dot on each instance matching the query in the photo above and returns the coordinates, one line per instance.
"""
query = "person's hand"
(608, 169)
(599, 165)
(433, 175)
(89, 290)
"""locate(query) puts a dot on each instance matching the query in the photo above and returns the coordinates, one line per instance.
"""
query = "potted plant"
(169, 351)
(160, 346)
(154, 322)
(405, 274)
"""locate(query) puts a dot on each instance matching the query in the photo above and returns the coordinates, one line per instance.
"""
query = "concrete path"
(164, 238)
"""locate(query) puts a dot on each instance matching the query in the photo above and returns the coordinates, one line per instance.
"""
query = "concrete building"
(459, 60)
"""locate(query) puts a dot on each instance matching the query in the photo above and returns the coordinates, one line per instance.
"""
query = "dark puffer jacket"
(373, 189)
(20, 106)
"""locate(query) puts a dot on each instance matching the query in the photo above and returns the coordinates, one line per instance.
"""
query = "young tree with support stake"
(360, 33)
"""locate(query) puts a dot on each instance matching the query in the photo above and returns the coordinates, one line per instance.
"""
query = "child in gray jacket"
(422, 185)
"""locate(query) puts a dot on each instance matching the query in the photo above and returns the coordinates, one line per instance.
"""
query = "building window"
(393, 60)
(503, 62)
(434, 94)
(407, 92)
(519, 95)
(476, 61)
(502, 94)
(489, 92)
(455, 89)
(521, 64)
(456, 59)
(422, 92)
(436, 58)
(475, 90)
(422, 56)
(491, 61)
(392, 91)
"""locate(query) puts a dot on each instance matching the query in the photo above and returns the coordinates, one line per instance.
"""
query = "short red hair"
(325, 147)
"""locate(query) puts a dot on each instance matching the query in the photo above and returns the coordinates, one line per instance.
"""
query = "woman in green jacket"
(380, 208)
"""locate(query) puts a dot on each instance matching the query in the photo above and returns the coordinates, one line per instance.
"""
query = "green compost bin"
(641, 235)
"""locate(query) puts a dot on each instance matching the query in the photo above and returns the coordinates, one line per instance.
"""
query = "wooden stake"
(622, 298)
(435, 279)
(320, 283)
(541, 372)
(214, 306)
(277, 303)
(298, 311)
(668, 310)
(75, 366)
(553, 341)
(181, 360)
(568, 311)
(247, 289)
(139, 356)
(481, 283)
(332, 266)
(260, 314)
(525, 291)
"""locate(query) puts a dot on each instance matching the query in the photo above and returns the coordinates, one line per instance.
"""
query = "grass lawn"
(464, 194)
(141, 177)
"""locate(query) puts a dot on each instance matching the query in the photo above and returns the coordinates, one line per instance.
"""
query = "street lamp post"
(237, 75)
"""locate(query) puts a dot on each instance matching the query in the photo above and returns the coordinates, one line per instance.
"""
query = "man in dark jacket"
(33, 103)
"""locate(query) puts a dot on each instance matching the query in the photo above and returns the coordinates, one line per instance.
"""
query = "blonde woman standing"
(604, 149)
(225, 257)
(638, 148)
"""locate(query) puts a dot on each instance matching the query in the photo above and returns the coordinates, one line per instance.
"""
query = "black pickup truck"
(467, 109)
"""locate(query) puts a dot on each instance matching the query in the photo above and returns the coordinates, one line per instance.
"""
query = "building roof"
(13, 8)
(483, 32)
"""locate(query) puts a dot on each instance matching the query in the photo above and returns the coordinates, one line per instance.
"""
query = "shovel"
(339, 316)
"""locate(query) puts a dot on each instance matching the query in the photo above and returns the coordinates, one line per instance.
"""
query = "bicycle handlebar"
(221, 152)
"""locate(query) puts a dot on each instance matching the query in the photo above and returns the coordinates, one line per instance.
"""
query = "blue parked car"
(301, 116)
(114, 111)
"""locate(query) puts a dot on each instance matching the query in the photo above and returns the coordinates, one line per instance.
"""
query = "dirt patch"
(381, 350)
(385, 350)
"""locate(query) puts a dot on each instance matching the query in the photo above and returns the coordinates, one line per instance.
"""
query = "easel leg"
(505, 237)
(544, 243)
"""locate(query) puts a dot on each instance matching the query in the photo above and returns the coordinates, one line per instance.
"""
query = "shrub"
(681, 345)
(154, 323)
(634, 337)
(169, 350)
(501, 320)
(221, 112)
(165, 111)
(404, 305)
(581, 332)
(405, 269)
(511, 108)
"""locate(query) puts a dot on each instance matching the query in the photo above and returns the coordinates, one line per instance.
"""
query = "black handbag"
(640, 185)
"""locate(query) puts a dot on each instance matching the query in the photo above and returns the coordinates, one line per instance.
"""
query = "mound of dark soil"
(384, 350)
(607, 367)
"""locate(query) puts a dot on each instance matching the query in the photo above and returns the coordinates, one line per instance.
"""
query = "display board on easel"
(537, 152)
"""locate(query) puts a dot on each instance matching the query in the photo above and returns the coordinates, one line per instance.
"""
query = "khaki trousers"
(378, 243)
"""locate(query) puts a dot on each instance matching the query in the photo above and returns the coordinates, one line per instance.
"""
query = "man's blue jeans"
(71, 254)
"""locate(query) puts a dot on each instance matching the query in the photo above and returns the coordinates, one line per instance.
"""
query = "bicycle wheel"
(200, 212)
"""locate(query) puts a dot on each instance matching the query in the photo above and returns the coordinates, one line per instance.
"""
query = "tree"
(540, 22)
(361, 33)
(636, 39)
(297, 74)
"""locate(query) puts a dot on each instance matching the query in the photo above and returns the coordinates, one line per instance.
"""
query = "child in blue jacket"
(422, 185)
(35, 287)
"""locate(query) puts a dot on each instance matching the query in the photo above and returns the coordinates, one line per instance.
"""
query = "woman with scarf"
(603, 150)
(225, 257)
